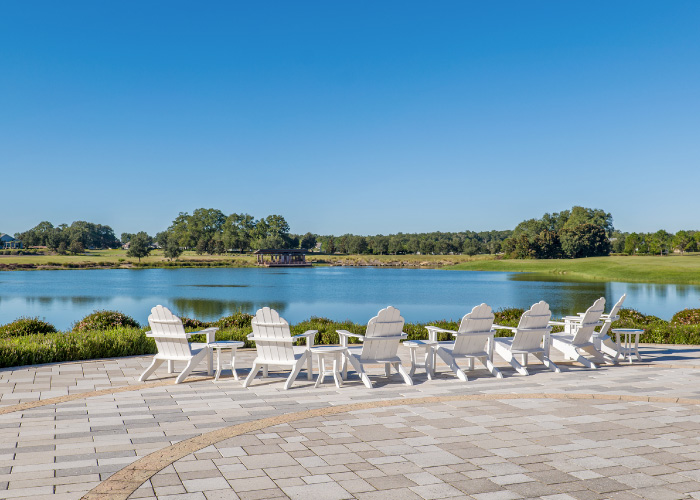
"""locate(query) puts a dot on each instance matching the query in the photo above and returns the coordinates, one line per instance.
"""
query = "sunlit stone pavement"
(395, 445)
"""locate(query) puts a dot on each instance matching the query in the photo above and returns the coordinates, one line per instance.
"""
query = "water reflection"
(207, 309)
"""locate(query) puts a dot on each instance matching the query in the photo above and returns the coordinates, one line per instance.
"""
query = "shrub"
(192, 323)
(631, 318)
(26, 326)
(105, 320)
(74, 346)
(237, 320)
(508, 317)
(686, 317)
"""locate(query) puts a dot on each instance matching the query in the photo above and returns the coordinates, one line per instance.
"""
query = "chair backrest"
(613, 316)
(382, 335)
(474, 330)
(589, 321)
(274, 336)
(533, 327)
(169, 334)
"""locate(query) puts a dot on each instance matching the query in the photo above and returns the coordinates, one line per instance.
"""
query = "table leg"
(429, 363)
(336, 372)
(218, 364)
(233, 364)
(412, 352)
(321, 371)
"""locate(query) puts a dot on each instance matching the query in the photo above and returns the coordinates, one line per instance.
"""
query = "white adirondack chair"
(579, 337)
(531, 337)
(275, 345)
(473, 340)
(173, 345)
(601, 340)
(380, 344)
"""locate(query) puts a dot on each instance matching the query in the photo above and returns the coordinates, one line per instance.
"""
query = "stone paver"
(499, 448)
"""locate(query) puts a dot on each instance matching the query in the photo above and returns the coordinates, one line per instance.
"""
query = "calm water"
(63, 297)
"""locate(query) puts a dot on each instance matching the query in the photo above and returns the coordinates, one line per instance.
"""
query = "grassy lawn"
(637, 269)
(107, 258)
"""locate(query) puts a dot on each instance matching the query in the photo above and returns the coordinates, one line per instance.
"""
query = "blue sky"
(357, 116)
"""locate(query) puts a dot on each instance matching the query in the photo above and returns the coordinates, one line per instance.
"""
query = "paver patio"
(634, 433)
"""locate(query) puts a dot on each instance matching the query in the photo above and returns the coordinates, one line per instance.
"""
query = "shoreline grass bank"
(675, 269)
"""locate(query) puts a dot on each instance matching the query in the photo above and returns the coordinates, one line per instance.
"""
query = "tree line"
(575, 233)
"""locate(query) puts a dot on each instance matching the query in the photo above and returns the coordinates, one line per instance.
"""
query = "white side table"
(628, 349)
(426, 350)
(220, 346)
(332, 355)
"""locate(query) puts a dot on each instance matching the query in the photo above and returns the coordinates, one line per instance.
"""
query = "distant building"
(294, 257)
(8, 242)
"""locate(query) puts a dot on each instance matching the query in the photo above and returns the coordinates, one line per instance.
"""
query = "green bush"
(26, 326)
(237, 320)
(105, 320)
(73, 346)
(191, 323)
(686, 317)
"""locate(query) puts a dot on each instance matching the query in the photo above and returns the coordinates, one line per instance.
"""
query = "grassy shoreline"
(676, 269)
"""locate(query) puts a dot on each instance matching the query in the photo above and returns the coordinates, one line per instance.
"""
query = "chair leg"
(171, 366)
(570, 352)
(491, 368)
(309, 366)
(399, 368)
(387, 369)
(360, 371)
(508, 356)
(264, 374)
(297, 368)
(153, 367)
(609, 348)
(450, 361)
(190, 366)
(253, 373)
(547, 362)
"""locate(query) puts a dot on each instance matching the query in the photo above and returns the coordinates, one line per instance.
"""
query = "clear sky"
(350, 116)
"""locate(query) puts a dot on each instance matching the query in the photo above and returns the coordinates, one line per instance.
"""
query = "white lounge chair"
(579, 336)
(531, 337)
(473, 340)
(380, 344)
(173, 345)
(275, 345)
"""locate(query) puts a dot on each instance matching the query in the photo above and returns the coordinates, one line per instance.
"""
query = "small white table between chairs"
(220, 346)
(333, 355)
(628, 349)
(426, 350)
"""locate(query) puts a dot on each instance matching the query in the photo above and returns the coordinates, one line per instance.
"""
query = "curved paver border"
(123, 483)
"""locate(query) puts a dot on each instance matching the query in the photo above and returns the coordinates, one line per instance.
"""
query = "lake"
(355, 293)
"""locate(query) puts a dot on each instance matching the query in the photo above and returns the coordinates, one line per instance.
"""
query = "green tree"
(584, 240)
(546, 245)
(308, 241)
(632, 243)
(76, 247)
(140, 245)
(126, 238)
(682, 240)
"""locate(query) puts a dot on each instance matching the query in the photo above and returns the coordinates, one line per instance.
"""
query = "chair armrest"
(344, 335)
(309, 335)
(149, 333)
(556, 323)
(502, 327)
(438, 329)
